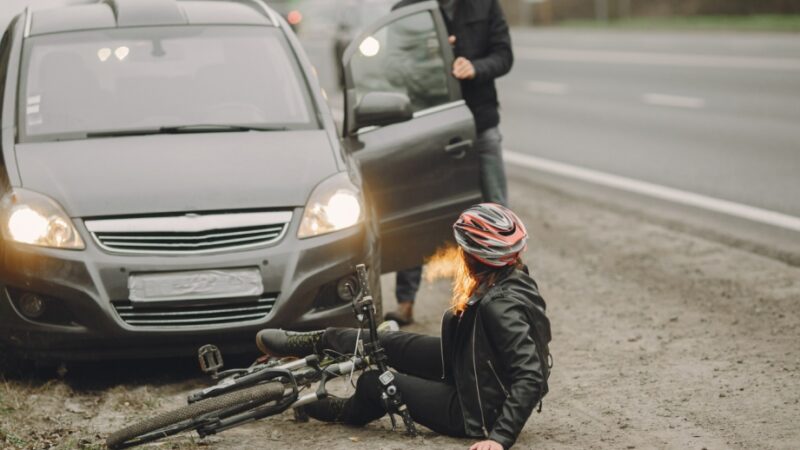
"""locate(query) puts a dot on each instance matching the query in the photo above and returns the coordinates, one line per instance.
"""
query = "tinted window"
(404, 56)
(5, 50)
(143, 78)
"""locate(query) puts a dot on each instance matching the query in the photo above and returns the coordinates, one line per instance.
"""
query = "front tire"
(169, 422)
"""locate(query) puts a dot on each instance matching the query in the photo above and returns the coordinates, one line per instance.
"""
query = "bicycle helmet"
(491, 233)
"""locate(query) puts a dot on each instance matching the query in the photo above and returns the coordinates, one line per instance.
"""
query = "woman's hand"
(486, 445)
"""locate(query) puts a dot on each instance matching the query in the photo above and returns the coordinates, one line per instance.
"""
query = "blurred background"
(700, 96)
(711, 13)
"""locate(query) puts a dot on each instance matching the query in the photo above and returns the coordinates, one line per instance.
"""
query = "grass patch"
(766, 22)
(7, 438)
(11, 397)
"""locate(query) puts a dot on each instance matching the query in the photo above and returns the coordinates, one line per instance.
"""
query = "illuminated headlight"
(335, 204)
(31, 218)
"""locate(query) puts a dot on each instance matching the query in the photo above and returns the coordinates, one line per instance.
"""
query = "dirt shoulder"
(661, 340)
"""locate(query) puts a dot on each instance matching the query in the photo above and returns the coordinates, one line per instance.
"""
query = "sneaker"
(277, 342)
(388, 326)
(327, 410)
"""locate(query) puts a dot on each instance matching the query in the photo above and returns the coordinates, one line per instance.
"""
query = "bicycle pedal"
(210, 359)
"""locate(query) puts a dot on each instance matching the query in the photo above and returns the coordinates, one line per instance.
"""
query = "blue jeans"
(494, 188)
(494, 185)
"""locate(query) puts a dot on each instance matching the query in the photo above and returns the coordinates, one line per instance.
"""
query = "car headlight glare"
(335, 204)
(31, 218)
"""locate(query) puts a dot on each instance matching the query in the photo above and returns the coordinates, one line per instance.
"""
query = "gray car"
(172, 175)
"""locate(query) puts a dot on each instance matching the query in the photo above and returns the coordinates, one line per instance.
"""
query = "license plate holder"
(195, 285)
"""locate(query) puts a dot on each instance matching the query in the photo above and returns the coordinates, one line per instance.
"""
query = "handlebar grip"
(363, 279)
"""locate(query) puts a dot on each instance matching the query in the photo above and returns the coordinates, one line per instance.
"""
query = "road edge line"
(727, 207)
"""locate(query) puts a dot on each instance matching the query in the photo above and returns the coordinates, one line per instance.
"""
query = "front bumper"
(85, 283)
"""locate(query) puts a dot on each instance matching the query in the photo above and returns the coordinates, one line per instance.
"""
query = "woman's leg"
(431, 403)
(409, 353)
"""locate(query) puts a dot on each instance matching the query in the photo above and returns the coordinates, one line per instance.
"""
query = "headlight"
(335, 204)
(35, 219)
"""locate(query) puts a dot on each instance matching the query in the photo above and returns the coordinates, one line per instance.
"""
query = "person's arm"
(500, 58)
(506, 323)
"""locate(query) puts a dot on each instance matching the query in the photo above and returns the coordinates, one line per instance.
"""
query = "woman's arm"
(506, 322)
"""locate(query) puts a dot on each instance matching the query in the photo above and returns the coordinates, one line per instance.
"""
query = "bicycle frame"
(302, 372)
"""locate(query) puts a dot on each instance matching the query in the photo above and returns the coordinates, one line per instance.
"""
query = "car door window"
(405, 56)
(5, 51)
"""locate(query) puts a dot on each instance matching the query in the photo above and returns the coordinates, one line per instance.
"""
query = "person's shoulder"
(518, 287)
(519, 280)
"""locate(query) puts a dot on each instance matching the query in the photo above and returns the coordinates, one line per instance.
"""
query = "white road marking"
(657, 191)
(675, 101)
(546, 87)
(657, 59)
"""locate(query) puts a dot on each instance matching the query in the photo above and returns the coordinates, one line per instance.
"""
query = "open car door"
(410, 130)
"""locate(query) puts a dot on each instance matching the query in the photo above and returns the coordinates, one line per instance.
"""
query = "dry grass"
(134, 399)
(34, 416)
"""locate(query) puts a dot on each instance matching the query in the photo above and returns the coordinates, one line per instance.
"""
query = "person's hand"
(486, 445)
(463, 69)
(451, 40)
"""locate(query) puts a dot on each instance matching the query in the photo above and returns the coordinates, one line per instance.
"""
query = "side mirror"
(382, 108)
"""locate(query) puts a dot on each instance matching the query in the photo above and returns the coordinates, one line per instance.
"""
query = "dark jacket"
(482, 37)
(497, 356)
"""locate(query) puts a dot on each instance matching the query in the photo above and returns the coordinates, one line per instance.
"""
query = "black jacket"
(482, 37)
(497, 356)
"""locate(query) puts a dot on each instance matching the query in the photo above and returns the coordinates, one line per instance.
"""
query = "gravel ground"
(661, 339)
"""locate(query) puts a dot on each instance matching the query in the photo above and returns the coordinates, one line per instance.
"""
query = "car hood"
(177, 173)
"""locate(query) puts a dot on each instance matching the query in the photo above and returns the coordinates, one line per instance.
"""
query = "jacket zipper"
(441, 342)
(502, 386)
(475, 371)
(455, 378)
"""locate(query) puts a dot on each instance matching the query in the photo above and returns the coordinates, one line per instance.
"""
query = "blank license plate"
(196, 285)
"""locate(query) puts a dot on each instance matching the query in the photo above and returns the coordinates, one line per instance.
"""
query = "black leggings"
(417, 361)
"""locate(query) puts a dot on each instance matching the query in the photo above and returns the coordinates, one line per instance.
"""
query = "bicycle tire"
(257, 395)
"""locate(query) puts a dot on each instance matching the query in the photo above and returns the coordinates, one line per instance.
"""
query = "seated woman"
(485, 374)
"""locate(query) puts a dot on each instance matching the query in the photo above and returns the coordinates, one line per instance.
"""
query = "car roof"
(105, 14)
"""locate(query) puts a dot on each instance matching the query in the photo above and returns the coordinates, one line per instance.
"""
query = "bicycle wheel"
(169, 423)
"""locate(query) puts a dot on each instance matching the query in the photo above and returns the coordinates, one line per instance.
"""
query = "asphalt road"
(713, 114)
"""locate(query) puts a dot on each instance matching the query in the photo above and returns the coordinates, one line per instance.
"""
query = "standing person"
(482, 46)
(485, 374)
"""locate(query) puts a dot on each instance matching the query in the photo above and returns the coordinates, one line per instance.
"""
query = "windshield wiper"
(198, 128)
(211, 128)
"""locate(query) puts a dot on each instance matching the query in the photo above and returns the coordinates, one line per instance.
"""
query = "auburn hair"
(471, 274)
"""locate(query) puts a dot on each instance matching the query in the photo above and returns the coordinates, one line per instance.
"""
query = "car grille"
(192, 233)
(184, 315)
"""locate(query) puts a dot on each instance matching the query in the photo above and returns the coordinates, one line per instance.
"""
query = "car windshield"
(372, 10)
(359, 13)
(156, 79)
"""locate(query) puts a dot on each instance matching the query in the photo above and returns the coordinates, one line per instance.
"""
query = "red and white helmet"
(491, 233)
